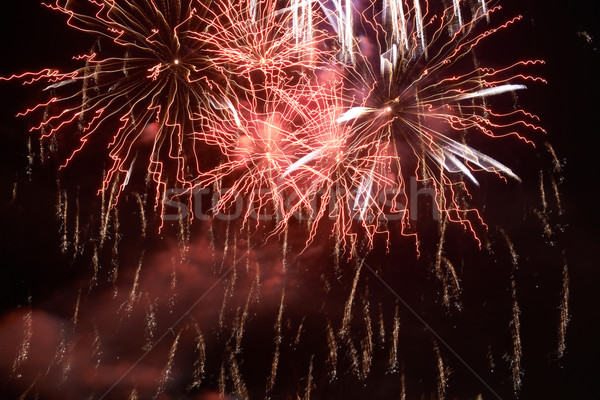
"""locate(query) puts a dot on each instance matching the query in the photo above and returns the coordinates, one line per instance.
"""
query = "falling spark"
(62, 212)
(144, 222)
(244, 317)
(402, 384)
(95, 268)
(442, 372)
(332, 354)
(277, 341)
(344, 330)
(490, 359)
(564, 309)
(25, 345)
(151, 324)
(115, 249)
(515, 326)
(167, 372)
(367, 341)
(96, 353)
(545, 222)
(381, 326)
(134, 395)
(543, 194)
(556, 162)
(200, 361)
(309, 379)
(352, 354)
(75, 318)
(222, 381)
(393, 359)
(515, 323)
(557, 195)
(76, 233)
(134, 292)
(239, 386)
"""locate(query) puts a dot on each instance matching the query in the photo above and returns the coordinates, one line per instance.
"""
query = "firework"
(298, 119)
(413, 97)
(144, 90)
(256, 100)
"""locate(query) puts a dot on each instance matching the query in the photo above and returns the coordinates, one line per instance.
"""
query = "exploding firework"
(147, 84)
(321, 125)
(414, 96)
(298, 120)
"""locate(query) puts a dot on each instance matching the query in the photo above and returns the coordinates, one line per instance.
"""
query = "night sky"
(36, 275)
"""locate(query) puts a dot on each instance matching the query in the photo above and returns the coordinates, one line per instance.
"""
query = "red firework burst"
(302, 110)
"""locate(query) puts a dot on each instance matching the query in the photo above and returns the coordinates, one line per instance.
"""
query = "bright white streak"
(362, 195)
(353, 113)
(462, 167)
(129, 171)
(477, 158)
(457, 12)
(384, 9)
(403, 35)
(296, 28)
(253, 10)
(484, 7)
(388, 60)
(492, 91)
(306, 19)
(59, 84)
(229, 106)
(308, 10)
(349, 33)
(448, 158)
(303, 2)
(303, 161)
(419, 22)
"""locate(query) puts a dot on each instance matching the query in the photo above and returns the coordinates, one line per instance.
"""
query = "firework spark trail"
(200, 361)
(62, 212)
(309, 379)
(114, 273)
(381, 326)
(332, 355)
(393, 359)
(442, 372)
(278, 340)
(543, 193)
(166, 374)
(151, 323)
(564, 309)
(344, 329)
(366, 343)
(515, 323)
(25, 345)
(239, 385)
